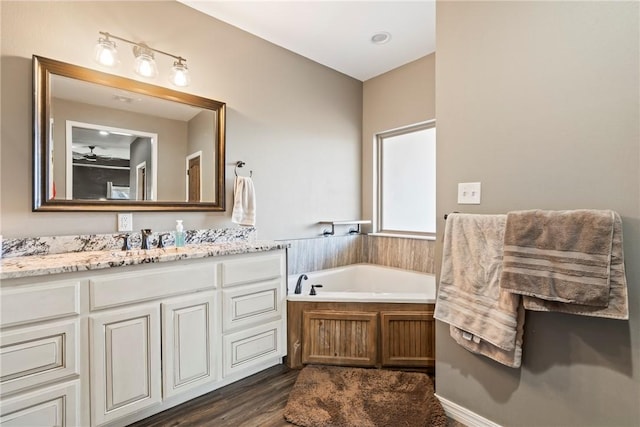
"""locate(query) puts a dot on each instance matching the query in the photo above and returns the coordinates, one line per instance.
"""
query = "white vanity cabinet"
(39, 346)
(158, 345)
(118, 345)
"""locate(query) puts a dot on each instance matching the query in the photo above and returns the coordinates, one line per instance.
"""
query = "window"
(406, 171)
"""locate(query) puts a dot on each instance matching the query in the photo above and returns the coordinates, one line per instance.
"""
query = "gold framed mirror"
(107, 143)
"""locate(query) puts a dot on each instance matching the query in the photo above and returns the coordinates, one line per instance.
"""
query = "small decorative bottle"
(179, 234)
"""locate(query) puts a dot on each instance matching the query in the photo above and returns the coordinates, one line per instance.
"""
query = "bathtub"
(365, 283)
(364, 315)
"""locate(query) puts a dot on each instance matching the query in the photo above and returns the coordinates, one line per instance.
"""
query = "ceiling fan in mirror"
(92, 157)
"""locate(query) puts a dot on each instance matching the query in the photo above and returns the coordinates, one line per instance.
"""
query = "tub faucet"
(146, 233)
(298, 289)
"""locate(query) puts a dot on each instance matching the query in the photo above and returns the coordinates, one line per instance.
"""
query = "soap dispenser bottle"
(179, 234)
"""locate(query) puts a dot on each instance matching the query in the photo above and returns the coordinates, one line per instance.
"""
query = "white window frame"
(379, 196)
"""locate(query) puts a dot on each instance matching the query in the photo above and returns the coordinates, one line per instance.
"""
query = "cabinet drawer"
(252, 347)
(53, 406)
(118, 289)
(36, 303)
(251, 304)
(262, 267)
(36, 355)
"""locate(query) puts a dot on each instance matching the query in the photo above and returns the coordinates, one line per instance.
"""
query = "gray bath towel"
(561, 256)
(485, 319)
(618, 303)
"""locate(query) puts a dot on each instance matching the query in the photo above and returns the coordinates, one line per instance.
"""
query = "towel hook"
(241, 164)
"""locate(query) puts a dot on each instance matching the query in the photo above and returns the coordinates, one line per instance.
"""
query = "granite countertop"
(39, 265)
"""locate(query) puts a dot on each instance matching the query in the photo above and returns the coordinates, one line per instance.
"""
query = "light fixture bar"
(145, 65)
(141, 45)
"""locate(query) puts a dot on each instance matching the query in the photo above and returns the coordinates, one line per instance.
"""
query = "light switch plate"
(469, 193)
(125, 221)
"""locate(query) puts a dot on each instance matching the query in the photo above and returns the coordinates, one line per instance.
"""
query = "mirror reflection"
(109, 163)
(117, 144)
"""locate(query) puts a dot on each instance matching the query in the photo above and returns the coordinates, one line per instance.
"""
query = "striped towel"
(618, 307)
(562, 256)
(482, 318)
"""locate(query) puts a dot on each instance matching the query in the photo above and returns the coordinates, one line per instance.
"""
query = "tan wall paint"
(401, 97)
(295, 123)
(540, 102)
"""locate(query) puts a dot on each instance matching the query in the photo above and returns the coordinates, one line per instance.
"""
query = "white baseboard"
(463, 415)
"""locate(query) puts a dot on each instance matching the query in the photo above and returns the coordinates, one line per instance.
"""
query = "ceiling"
(336, 34)
(101, 95)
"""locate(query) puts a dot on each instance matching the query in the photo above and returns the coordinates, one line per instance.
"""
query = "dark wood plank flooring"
(256, 401)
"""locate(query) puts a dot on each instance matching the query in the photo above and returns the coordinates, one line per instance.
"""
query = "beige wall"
(398, 98)
(295, 123)
(540, 102)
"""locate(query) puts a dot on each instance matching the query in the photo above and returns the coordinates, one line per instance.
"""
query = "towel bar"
(351, 222)
(240, 164)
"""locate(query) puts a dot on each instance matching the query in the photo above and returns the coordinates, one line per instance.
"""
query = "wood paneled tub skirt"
(363, 315)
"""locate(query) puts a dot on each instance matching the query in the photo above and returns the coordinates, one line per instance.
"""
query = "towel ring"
(241, 164)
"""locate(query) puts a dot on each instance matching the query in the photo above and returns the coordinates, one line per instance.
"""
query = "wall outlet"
(125, 222)
(469, 193)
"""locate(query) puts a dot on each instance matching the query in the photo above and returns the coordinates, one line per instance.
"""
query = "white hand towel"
(244, 201)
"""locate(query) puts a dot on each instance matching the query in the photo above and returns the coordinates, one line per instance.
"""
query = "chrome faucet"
(146, 233)
(298, 289)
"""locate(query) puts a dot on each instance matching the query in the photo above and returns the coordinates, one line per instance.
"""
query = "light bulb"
(144, 64)
(180, 74)
(105, 52)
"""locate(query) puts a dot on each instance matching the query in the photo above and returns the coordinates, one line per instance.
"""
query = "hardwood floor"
(256, 401)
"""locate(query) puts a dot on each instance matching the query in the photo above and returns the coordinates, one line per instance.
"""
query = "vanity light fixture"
(145, 64)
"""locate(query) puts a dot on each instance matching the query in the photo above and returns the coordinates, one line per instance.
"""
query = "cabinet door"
(339, 337)
(408, 338)
(125, 362)
(188, 342)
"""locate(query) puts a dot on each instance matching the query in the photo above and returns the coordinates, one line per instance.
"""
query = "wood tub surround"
(360, 334)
